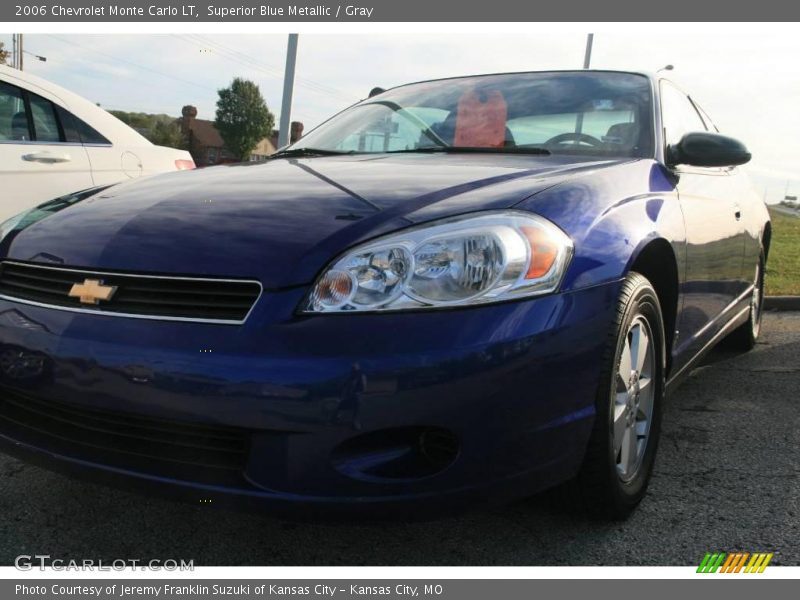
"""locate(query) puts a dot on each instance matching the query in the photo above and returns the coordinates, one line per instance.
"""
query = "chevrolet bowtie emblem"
(91, 291)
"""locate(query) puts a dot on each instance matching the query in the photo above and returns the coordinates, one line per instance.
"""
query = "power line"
(248, 61)
(133, 64)
(227, 53)
(234, 55)
(276, 70)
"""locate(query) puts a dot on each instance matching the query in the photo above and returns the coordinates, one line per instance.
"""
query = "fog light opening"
(400, 454)
(439, 447)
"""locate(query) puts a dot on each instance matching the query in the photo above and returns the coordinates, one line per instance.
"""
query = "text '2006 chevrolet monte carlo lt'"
(459, 290)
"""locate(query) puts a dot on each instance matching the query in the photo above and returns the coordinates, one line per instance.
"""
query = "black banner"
(390, 589)
(405, 11)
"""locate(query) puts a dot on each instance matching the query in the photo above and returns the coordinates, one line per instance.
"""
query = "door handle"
(47, 157)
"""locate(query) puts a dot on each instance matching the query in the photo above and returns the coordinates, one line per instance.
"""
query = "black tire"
(744, 338)
(600, 486)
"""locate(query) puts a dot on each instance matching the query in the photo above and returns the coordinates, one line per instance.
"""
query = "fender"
(610, 220)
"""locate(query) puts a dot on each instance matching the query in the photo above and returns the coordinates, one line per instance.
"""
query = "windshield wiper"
(302, 152)
(475, 150)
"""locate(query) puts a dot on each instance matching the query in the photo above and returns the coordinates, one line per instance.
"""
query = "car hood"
(280, 221)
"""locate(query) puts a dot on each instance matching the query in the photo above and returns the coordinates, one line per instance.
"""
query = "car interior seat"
(625, 135)
(476, 122)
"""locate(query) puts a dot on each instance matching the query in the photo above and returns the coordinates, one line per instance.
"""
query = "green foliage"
(141, 121)
(161, 129)
(783, 264)
(168, 134)
(242, 118)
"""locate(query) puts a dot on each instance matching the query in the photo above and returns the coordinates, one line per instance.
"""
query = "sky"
(748, 84)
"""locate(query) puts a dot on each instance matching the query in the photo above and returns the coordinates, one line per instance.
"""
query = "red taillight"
(183, 164)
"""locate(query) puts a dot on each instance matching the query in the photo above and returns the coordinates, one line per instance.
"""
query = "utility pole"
(16, 50)
(288, 90)
(587, 58)
(19, 51)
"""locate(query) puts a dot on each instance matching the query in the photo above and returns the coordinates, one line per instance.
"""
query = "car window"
(600, 124)
(88, 134)
(76, 131)
(430, 116)
(13, 117)
(709, 123)
(596, 114)
(381, 130)
(45, 122)
(68, 125)
(678, 114)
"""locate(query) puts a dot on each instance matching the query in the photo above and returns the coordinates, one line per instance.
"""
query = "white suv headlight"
(480, 258)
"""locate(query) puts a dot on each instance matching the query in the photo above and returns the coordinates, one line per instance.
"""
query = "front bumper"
(330, 408)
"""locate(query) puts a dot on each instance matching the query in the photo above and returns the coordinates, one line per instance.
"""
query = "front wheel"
(622, 447)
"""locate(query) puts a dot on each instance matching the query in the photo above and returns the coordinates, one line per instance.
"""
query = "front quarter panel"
(611, 215)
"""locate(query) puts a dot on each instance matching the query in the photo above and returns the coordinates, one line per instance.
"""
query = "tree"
(4, 54)
(161, 129)
(169, 134)
(242, 118)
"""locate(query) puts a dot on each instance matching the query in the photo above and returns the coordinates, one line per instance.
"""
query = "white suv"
(53, 142)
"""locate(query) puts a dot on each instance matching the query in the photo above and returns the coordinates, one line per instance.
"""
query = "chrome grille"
(137, 295)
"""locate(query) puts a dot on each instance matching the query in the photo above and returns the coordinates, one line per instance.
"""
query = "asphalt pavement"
(727, 478)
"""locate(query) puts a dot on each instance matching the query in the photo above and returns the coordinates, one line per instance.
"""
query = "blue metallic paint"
(502, 377)
(241, 220)
(514, 381)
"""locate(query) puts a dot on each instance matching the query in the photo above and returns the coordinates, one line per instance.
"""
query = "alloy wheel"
(633, 398)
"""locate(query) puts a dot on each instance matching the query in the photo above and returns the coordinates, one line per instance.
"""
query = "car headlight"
(487, 257)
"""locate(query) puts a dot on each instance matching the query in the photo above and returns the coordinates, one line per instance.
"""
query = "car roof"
(649, 75)
(107, 124)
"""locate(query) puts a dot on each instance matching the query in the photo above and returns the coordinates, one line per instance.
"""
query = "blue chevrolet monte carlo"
(459, 290)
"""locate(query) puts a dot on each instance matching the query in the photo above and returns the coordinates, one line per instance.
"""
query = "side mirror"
(705, 149)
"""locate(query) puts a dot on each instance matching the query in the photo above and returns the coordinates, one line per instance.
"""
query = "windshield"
(589, 113)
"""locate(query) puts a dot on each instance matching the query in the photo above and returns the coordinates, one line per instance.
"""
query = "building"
(206, 144)
(295, 133)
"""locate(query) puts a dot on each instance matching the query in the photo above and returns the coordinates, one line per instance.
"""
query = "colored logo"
(91, 291)
(735, 562)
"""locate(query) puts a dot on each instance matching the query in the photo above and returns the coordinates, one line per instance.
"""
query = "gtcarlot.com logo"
(734, 562)
(27, 562)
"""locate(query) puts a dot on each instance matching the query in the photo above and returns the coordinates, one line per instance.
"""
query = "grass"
(783, 266)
